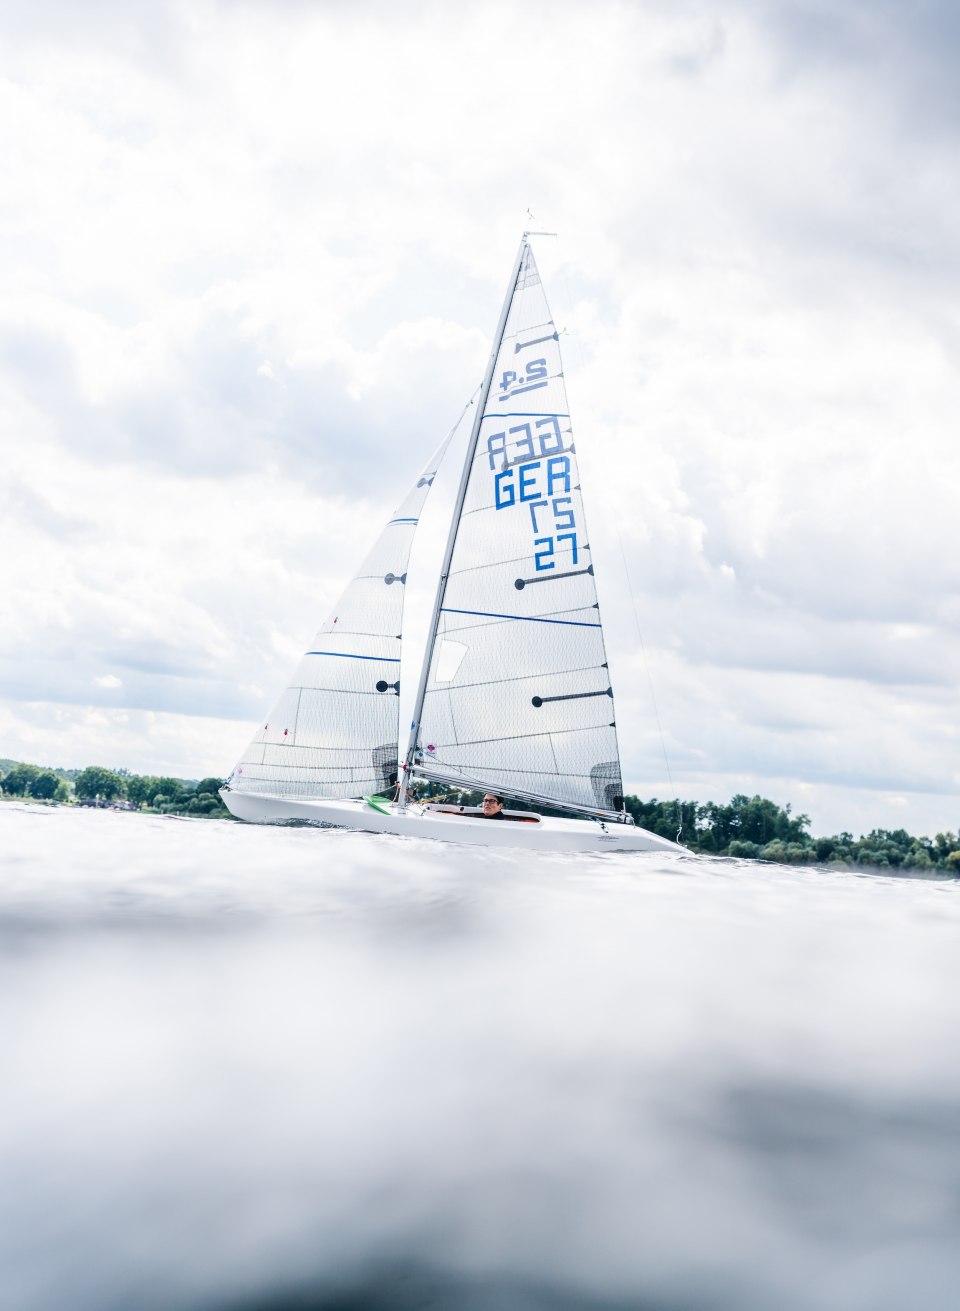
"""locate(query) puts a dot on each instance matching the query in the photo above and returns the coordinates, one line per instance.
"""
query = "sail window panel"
(522, 551)
(449, 659)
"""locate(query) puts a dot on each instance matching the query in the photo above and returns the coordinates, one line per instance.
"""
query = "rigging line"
(653, 695)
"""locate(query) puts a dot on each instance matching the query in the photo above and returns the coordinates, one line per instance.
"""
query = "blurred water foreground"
(249, 1068)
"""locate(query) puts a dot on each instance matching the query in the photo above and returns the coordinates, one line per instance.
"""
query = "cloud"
(256, 256)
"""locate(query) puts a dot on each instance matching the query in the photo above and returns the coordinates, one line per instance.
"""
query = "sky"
(253, 257)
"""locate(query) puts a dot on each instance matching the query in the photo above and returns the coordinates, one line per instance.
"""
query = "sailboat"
(514, 695)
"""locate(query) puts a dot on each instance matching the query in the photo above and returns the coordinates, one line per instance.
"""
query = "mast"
(455, 524)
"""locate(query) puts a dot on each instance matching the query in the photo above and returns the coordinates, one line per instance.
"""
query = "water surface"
(248, 1068)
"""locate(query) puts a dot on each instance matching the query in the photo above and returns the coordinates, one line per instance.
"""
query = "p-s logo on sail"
(513, 383)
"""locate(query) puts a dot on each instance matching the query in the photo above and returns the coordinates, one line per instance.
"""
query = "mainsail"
(333, 731)
(518, 694)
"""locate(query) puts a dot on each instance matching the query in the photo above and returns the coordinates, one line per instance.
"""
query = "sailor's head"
(491, 803)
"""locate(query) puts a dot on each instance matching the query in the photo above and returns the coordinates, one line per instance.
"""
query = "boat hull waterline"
(546, 834)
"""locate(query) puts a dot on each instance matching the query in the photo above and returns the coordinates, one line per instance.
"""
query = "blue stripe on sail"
(529, 619)
(402, 521)
(345, 655)
(528, 414)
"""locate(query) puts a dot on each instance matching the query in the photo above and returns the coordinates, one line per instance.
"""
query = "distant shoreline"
(753, 828)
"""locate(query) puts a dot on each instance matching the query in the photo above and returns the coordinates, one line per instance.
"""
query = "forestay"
(519, 693)
(333, 731)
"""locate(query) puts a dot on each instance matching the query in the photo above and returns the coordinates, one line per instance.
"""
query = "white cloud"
(256, 253)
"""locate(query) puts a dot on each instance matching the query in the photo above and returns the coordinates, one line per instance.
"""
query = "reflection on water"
(247, 1068)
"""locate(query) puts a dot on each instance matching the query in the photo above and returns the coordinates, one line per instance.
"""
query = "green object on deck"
(377, 803)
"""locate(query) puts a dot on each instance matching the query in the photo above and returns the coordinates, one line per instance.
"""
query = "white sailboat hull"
(545, 834)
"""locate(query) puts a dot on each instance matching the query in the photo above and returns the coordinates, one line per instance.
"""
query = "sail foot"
(618, 816)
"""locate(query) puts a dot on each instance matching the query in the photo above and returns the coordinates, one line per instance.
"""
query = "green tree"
(44, 786)
(918, 857)
(210, 785)
(665, 818)
(138, 789)
(171, 788)
(749, 850)
(827, 848)
(17, 782)
(204, 803)
(97, 782)
(147, 790)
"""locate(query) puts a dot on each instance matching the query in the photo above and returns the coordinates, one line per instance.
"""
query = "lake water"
(248, 1068)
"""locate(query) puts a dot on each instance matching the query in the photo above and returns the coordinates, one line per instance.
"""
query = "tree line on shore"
(759, 829)
(750, 827)
(97, 785)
